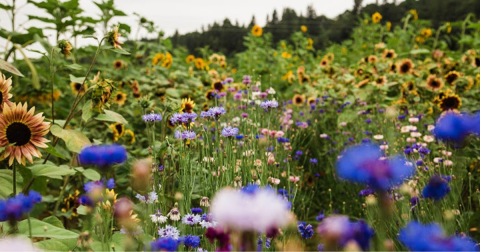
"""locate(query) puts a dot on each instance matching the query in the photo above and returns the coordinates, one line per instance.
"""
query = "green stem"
(29, 226)
(14, 179)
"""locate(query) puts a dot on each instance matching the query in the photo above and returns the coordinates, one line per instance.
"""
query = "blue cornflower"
(401, 117)
(196, 210)
(269, 104)
(229, 131)
(86, 201)
(423, 150)
(366, 192)
(368, 120)
(239, 137)
(453, 127)
(414, 201)
(191, 241)
(283, 140)
(110, 183)
(250, 189)
(103, 155)
(362, 164)
(15, 207)
(216, 112)
(93, 186)
(430, 237)
(152, 117)
(305, 230)
(205, 114)
(320, 217)
(313, 161)
(164, 244)
(299, 153)
(187, 134)
(436, 189)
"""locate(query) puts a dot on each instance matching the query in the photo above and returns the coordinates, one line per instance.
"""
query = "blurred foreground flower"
(103, 155)
(338, 231)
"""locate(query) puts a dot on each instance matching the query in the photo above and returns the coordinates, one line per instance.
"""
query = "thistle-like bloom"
(158, 218)
(169, 231)
(269, 104)
(5, 87)
(164, 244)
(150, 198)
(430, 237)
(23, 131)
(152, 117)
(437, 188)
(229, 131)
(103, 155)
(214, 112)
(363, 164)
(252, 209)
(14, 208)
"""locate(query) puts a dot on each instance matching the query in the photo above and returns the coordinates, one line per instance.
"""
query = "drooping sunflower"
(298, 99)
(118, 64)
(450, 102)
(23, 129)
(130, 133)
(5, 87)
(217, 85)
(112, 38)
(257, 31)
(190, 58)
(77, 88)
(210, 94)
(71, 202)
(406, 66)
(187, 105)
(376, 17)
(389, 54)
(451, 77)
(120, 98)
(118, 130)
(434, 83)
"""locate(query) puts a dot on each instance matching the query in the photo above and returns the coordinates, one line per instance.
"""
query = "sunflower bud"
(65, 47)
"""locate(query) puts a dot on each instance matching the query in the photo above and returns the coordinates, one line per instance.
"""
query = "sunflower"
(286, 55)
(118, 130)
(257, 31)
(5, 86)
(426, 33)
(441, 95)
(393, 68)
(389, 54)
(380, 81)
(77, 88)
(309, 44)
(450, 102)
(205, 107)
(451, 77)
(414, 14)
(112, 38)
(132, 136)
(359, 72)
(118, 64)
(24, 130)
(376, 17)
(303, 28)
(406, 66)
(434, 83)
(170, 124)
(210, 94)
(160, 93)
(223, 64)
(304, 79)
(71, 202)
(120, 98)
(372, 59)
(311, 101)
(298, 99)
(199, 63)
(324, 62)
(159, 57)
(408, 87)
(218, 86)
(190, 58)
(187, 105)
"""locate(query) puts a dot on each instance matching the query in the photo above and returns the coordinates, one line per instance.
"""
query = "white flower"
(169, 231)
(323, 135)
(437, 160)
(411, 140)
(191, 219)
(378, 137)
(448, 163)
(256, 211)
(413, 119)
(271, 90)
(447, 153)
(384, 147)
(343, 124)
(135, 232)
(428, 139)
(158, 218)
(430, 127)
(207, 224)
(415, 134)
(17, 244)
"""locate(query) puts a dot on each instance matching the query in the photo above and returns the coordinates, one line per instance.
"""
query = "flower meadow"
(133, 145)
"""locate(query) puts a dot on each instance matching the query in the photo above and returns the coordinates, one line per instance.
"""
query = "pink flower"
(294, 179)
(274, 180)
(279, 134)
(264, 131)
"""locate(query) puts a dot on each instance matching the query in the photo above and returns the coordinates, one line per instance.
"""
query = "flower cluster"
(152, 117)
(103, 155)
(437, 187)
(213, 113)
(229, 131)
(269, 104)
(15, 207)
(164, 244)
(185, 135)
(179, 118)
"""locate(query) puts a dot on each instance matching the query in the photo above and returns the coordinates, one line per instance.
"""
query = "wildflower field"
(135, 145)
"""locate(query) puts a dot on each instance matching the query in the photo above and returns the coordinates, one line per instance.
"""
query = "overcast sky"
(188, 15)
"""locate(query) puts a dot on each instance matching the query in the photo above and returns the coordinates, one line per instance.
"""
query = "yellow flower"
(190, 58)
(426, 33)
(158, 58)
(120, 98)
(199, 63)
(132, 136)
(257, 31)
(449, 27)
(389, 26)
(303, 28)
(376, 17)
(309, 44)
(187, 105)
(286, 55)
(275, 54)
(365, 21)
(420, 39)
(414, 14)
(118, 130)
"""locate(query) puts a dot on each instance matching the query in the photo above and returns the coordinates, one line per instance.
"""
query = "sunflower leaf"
(120, 51)
(6, 184)
(74, 67)
(50, 171)
(9, 68)
(74, 140)
(111, 116)
(50, 149)
(44, 229)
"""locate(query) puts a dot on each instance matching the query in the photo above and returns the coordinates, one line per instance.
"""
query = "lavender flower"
(269, 104)
(152, 117)
(187, 134)
(229, 131)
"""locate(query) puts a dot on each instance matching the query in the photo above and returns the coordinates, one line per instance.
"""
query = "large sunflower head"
(118, 64)
(118, 130)
(257, 31)
(324, 62)
(376, 17)
(451, 77)
(200, 64)
(187, 105)
(298, 99)
(434, 83)
(389, 54)
(406, 66)
(380, 81)
(120, 98)
(450, 102)
(78, 88)
(5, 87)
(372, 59)
(190, 58)
(21, 133)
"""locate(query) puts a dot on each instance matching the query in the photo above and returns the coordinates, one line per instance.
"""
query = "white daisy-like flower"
(169, 231)
(191, 219)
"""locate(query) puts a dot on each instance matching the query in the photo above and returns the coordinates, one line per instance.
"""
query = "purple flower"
(436, 189)
(305, 230)
(229, 131)
(103, 155)
(187, 134)
(269, 104)
(152, 117)
(313, 161)
(164, 244)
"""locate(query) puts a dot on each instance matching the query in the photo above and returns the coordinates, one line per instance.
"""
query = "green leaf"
(54, 221)
(9, 68)
(75, 67)
(76, 79)
(111, 116)
(89, 36)
(50, 149)
(89, 173)
(6, 184)
(52, 245)
(33, 70)
(120, 51)
(74, 140)
(87, 110)
(5, 7)
(420, 51)
(50, 171)
(82, 210)
(44, 229)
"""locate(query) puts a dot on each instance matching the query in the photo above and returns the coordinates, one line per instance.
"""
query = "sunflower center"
(435, 83)
(119, 129)
(119, 96)
(451, 78)
(298, 100)
(389, 55)
(218, 86)
(1, 97)
(18, 133)
(405, 68)
(78, 86)
(450, 103)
